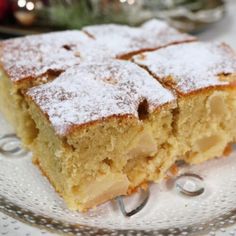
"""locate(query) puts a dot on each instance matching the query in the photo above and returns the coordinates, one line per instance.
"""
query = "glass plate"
(201, 200)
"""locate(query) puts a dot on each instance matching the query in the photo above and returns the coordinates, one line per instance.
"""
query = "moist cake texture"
(88, 139)
(203, 76)
(30, 61)
(120, 41)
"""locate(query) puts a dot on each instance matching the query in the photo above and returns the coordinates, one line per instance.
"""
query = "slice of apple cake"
(203, 76)
(29, 61)
(103, 132)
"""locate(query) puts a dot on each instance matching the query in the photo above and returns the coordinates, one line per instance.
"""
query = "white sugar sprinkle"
(35, 55)
(96, 91)
(113, 40)
(192, 66)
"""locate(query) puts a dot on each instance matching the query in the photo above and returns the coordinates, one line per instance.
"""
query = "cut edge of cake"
(203, 76)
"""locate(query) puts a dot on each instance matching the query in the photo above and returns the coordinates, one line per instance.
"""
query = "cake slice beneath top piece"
(203, 76)
(121, 41)
(103, 132)
(29, 61)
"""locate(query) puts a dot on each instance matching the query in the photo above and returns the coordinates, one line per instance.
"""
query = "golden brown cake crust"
(97, 91)
(34, 56)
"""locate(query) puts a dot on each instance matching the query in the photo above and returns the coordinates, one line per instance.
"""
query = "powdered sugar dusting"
(96, 91)
(119, 40)
(192, 66)
(33, 56)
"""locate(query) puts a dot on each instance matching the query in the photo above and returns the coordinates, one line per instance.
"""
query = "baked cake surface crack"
(112, 40)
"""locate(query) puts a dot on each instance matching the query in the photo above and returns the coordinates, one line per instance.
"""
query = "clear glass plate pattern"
(26, 195)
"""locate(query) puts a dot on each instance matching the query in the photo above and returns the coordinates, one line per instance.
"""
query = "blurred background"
(210, 19)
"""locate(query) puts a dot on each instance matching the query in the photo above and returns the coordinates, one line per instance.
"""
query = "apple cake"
(110, 108)
(29, 61)
(94, 127)
(203, 77)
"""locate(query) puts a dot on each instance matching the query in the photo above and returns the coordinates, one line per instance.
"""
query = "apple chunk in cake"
(103, 132)
(203, 76)
(29, 61)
